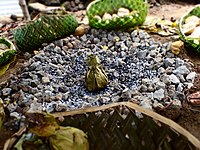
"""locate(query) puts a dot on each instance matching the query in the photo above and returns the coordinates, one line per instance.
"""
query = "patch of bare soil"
(169, 10)
(188, 116)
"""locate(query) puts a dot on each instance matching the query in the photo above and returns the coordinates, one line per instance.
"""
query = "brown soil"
(188, 116)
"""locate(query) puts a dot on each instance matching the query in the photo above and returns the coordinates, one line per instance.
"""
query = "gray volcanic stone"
(179, 95)
(180, 87)
(188, 85)
(168, 62)
(146, 103)
(182, 70)
(34, 65)
(179, 62)
(160, 84)
(6, 91)
(174, 79)
(12, 107)
(35, 107)
(166, 79)
(181, 77)
(142, 54)
(159, 94)
(190, 77)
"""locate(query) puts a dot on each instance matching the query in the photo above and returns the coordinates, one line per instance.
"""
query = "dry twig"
(25, 11)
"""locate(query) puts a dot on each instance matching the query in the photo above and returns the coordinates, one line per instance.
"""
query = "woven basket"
(6, 55)
(99, 7)
(125, 126)
(43, 30)
(189, 42)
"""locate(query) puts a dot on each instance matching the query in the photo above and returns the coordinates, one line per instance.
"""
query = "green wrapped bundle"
(116, 12)
(43, 30)
(96, 78)
(190, 42)
(7, 51)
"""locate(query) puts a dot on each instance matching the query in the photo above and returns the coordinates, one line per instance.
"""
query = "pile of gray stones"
(138, 67)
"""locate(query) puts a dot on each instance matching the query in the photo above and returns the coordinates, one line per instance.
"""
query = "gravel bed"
(138, 68)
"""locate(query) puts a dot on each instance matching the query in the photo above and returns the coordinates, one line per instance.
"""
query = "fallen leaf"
(5, 67)
(176, 47)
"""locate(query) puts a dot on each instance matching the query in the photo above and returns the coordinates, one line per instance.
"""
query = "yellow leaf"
(5, 67)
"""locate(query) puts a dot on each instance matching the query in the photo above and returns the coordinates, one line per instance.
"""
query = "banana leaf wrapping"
(188, 41)
(43, 30)
(99, 7)
(125, 126)
(7, 54)
(96, 77)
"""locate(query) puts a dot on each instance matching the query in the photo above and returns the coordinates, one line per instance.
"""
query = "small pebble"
(45, 80)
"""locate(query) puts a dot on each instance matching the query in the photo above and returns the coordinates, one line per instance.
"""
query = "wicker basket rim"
(136, 107)
(7, 43)
(96, 1)
(43, 16)
(181, 19)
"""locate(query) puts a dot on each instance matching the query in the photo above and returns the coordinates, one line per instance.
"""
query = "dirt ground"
(188, 116)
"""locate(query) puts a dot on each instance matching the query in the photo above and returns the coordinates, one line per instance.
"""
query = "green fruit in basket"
(193, 19)
(123, 12)
(190, 42)
(130, 13)
(195, 33)
(188, 28)
(69, 138)
(7, 51)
